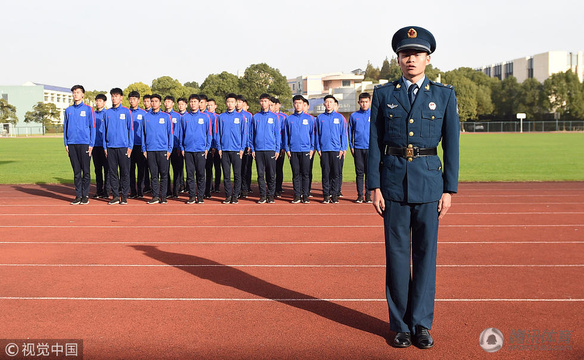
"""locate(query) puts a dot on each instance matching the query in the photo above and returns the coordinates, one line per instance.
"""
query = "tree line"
(483, 98)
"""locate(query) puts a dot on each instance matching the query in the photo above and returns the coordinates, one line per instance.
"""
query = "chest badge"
(391, 106)
(432, 106)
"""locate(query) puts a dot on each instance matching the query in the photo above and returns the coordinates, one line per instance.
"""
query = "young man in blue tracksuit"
(233, 139)
(79, 137)
(157, 144)
(275, 106)
(176, 158)
(99, 160)
(265, 136)
(331, 142)
(118, 143)
(195, 144)
(182, 110)
(213, 160)
(305, 109)
(241, 107)
(299, 138)
(146, 99)
(137, 159)
(359, 127)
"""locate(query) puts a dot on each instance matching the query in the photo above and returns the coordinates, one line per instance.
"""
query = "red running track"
(287, 281)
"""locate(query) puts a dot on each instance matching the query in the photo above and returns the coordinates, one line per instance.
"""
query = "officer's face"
(147, 104)
(155, 102)
(134, 102)
(202, 105)
(194, 103)
(329, 105)
(168, 104)
(298, 105)
(364, 104)
(413, 64)
(211, 106)
(182, 106)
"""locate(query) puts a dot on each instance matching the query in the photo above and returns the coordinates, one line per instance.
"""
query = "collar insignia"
(391, 106)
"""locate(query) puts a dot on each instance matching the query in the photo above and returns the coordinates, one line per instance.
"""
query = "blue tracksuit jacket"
(157, 134)
(359, 127)
(331, 132)
(299, 133)
(265, 132)
(118, 128)
(196, 132)
(79, 125)
(233, 135)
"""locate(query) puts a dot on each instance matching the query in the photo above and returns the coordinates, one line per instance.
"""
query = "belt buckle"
(410, 152)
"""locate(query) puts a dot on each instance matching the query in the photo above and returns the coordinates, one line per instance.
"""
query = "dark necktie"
(411, 93)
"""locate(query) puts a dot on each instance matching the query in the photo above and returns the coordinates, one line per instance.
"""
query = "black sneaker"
(340, 194)
(335, 200)
(124, 201)
(85, 200)
(192, 200)
(326, 199)
(207, 196)
(200, 200)
(359, 199)
(278, 194)
(305, 200)
(115, 200)
(296, 200)
(96, 196)
(147, 191)
(242, 196)
(271, 200)
(262, 200)
(227, 200)
(154, 200)
(132, 196)
(368, 199)
(76, 201)
(163, 201)
(234, 200)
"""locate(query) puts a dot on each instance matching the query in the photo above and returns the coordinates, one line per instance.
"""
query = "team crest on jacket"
(174, 120)
(122, 116)
(236, 121)
(161, 121)
(304, 121)
(139, 117)
(336, 121)
(82, 113)
(270, 121)
(201, 121)
(432, 105)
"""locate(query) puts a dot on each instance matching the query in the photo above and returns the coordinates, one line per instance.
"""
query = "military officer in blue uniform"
(411, 186)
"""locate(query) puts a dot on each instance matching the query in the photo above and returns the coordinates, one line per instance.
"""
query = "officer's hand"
(378, 202)
(320, 153)
(444, 205)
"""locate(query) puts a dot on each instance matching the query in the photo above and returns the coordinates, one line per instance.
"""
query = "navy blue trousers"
(331, 166)
(159, 167)
(300, 163)
(231, 158)
(195, 164)
(266, 166)
(360, 158)
(410, 292)
(81, 164)
(101, 171)
(118, 158)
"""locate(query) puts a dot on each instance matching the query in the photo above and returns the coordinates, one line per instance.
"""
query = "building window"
(508, 69)
(497, 70)
(293, 87)
(530, 68)
(346, 83)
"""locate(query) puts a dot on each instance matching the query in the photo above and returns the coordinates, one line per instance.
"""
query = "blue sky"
(109, 44)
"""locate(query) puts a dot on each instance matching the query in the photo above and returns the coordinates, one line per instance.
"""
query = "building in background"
(25, 96)
(539, 67)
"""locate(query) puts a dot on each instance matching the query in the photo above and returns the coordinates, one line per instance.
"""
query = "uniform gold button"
(411, 133)
(439, 167)
(410, 159)
(390, 115)
(411, 121)
(432, 117)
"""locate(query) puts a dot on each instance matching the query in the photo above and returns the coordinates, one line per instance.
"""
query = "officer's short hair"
(265, 96)
(147, 96)
(195, 96)
(134, 94)
(169, 97)
(202, 97)
(181, 99)
(101, 96)
(240, 97)
(156, 96)
(116, 91)
(75, 87)
(364, 95)
(298, 97)
(231, 96)
(330, 97)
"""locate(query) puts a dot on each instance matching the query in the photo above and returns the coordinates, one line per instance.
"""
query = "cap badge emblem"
(412, 33)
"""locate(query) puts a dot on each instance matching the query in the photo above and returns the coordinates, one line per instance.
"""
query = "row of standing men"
(142, 143)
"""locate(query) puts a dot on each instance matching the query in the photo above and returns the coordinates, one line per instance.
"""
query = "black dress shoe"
(422, 338)
(402, 340)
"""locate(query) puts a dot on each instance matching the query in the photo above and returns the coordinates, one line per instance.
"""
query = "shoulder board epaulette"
(391, 83)
(435, 83)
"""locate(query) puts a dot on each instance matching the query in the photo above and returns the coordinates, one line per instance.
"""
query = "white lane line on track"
(316, 203)
(381, 242)
(62, 298)
(371, 213)
(283, 266)
(274, 226)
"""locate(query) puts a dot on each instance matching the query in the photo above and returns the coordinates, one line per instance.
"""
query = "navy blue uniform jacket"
(433, 117)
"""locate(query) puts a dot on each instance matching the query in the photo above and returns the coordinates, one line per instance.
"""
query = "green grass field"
(483, 157)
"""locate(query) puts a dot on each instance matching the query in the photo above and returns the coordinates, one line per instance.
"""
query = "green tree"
(141, 88)
(384, 73)
(89, 96)
(216, 86)
(7, 113)
(530, 99)
(371, 72)
(165, 86)
(45, 114)
(261, 78)
(394, 70)
(193, 85)
(432, 73)
(563, 94)
(505, 98)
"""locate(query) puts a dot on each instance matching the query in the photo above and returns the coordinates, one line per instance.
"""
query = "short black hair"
(75, 87)
(231, 96)
(275, 100)
(265, 96)
(101, 96)
(169, 97)
(195, 96)
(148, 96)
(211, 99)
(240, 97)
(298, 97)
(329, 97)
(364, 95)
(156, 96)
(134, 94)
(182, 99)
(116, 91)
(305, 100)
(203, 97)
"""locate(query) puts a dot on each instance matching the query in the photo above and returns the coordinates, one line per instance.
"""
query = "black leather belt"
(410, 152)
